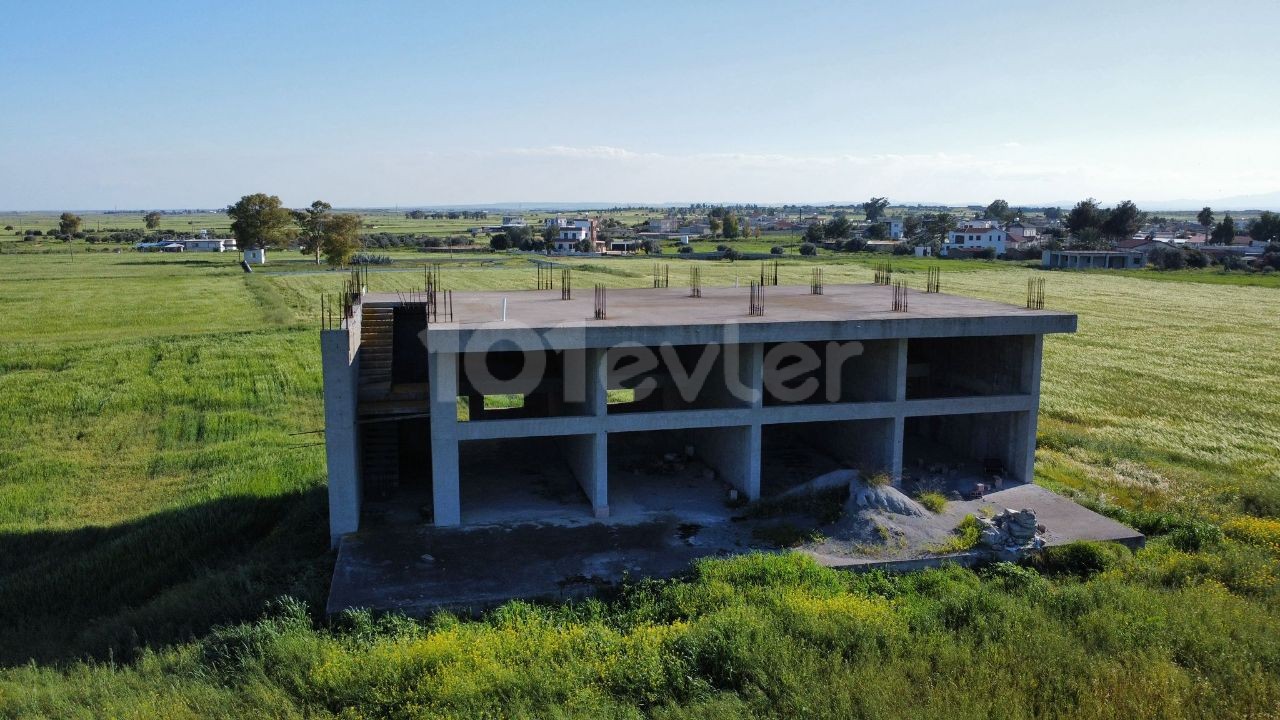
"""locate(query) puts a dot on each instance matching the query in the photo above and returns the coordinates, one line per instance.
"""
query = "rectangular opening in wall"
(519, 480)
(830, 372)
(408, 344)
(954, 452)
(678, 377)
(507, 384)
(663, 472)
(794, 454)
(503, 402)
(395, 471)
(965, 366)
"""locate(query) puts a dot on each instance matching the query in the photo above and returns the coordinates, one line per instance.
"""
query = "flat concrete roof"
(791, 313)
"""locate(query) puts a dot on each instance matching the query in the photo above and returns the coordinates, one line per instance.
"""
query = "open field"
(160, 487)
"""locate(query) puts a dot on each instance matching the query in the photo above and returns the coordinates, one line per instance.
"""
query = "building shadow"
(108, 592)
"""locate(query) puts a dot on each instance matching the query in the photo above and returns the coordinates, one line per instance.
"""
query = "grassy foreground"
(159, 493)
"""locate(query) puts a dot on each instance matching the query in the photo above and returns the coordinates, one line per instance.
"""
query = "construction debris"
(1011, 531)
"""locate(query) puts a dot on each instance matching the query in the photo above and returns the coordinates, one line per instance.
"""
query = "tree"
(814, 234)
(874, 208)
(876, 231)
(729, 226)
(312, 221)
(519, 235)
(68, 224)
(1090, 238)
(714, 224)
(1205, 218)
(499, 242)
(911, 227)
(1122, 221)
(1224, 232)
(937, 227)
(152, 220)
(1052, 213)
(999, 210)
(1266, 228)
(808, 249)
(839, 227)
(1086, 214)
(339, 238)
(260, 221)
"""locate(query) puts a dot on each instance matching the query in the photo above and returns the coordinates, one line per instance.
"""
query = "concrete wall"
(340, 365)
(734, 453)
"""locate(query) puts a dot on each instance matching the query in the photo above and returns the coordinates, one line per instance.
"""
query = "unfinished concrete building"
(513, 407)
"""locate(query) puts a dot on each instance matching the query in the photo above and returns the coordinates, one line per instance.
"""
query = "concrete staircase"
(376, 330)
(379, 458)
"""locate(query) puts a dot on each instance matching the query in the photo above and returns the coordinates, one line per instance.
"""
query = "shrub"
(1079, 559)
(934, 502)
(776, 250)
(1195, 535)
(966, 537)
(986, 254)
(1262, 532)
(1263, 501)
(854, 245)
(902, 249)
(722, 248)
(1167, 259)
(685, 249)
(8, 227)
(808, 249)
(1233, 262)
(731, 254)
(1196, 259)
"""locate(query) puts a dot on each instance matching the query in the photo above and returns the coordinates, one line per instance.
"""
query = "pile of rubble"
(1012, 531)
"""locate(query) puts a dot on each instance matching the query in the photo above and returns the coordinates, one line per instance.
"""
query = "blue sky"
(152, 104)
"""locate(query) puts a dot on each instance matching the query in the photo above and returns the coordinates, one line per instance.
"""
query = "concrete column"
(341, 371)
(597, 385)
(734, 453)
(444, 442)
(1023, 445)
(897, 432)
(898, 378)
(588, 459)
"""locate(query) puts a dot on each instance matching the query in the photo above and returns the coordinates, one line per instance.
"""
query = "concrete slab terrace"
(419, 569)
(653, 316)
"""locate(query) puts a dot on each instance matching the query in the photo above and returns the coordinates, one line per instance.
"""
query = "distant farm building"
(1093, 259)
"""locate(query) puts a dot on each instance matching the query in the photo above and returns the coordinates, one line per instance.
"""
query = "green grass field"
(162, 488)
